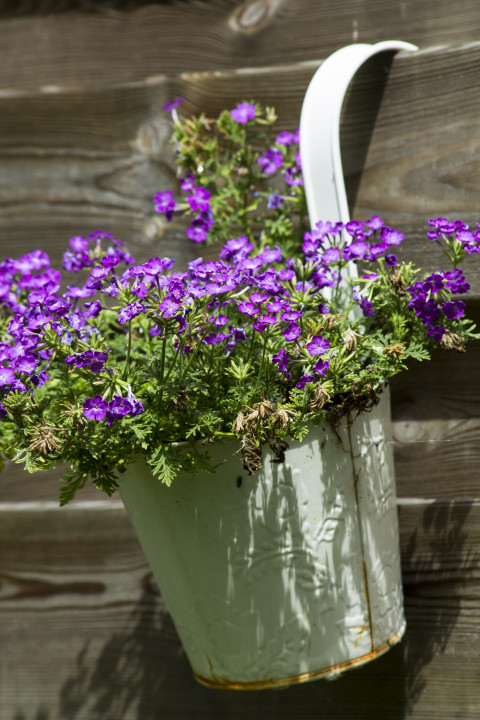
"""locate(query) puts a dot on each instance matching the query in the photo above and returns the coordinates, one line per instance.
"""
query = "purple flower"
(375, 223)
(171, 105)
(331, 255)
(281, 359)
(304, 380)
(92, 360)
(3, 412)
(78, 244)
(356, 250)
(119, 406)
(26, 364)
(274, 201)
(95, 408)
(243, 113)
(292, 332)
(291, 315)
(236, 248)
(93, 309)
(130, 311)
(110, 261)
(354, 228)
(366, 305)
(99, 272)
(270, 255)
(169, 307)
(197, 232)
(318, 345)
(164, 203)
(199, 200)
(248, 308)
(436, 333)
(270, 161)
(454, 310)
(391, 237)
(187, 184)
(284, 138)
(321, 367)
(7, 376)
(293, 176)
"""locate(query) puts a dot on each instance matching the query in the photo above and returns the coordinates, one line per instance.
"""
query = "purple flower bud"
(171, 105)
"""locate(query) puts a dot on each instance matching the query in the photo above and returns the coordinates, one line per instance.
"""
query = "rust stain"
(367, 595)
(305, 677)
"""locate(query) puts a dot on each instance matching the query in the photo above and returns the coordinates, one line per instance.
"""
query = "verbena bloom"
(321, 367)
(95, 408)
(293, 176)
(164, 203)
(284, 138)
(270, 161)
(7, 376)
(375, 223)
(130, 311)
(187, 184)
(243, 113)
(366, 305)
(318, 345)
(93, 360)
(248, 308)
(199, 199)
(274, 201)
(304, 380)
(292, 332)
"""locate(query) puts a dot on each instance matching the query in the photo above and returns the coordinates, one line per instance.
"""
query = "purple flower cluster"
(197, 201)
(354, 240)
(92, 360)
(98, 409)
(433, 305)
(275, 158)
(444, 229)
(30, 292)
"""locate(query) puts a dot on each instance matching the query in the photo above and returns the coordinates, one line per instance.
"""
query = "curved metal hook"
(320, 129)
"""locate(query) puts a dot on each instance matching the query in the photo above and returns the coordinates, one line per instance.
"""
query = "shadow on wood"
(142, 673)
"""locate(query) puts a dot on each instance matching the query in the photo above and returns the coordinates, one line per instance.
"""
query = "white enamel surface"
(320, 129)
(266, 581)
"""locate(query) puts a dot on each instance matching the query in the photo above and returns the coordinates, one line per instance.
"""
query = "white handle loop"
(320, 129)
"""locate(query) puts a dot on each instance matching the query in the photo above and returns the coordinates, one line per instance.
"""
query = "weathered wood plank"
(75, 160)
(84, 632)
(123, 41)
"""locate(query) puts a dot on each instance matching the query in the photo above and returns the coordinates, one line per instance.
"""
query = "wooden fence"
(84, 144)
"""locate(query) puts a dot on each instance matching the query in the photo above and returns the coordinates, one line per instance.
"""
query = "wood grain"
(85, 634)
(74, 160)
(67, 42)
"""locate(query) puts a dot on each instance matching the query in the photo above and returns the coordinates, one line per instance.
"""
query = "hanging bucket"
(284, 576)
(293, 573)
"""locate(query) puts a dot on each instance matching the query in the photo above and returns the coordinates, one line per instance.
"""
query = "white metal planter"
(284, 576)
(293, 573)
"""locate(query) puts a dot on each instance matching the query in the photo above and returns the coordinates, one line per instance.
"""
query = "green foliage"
(178, 361)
